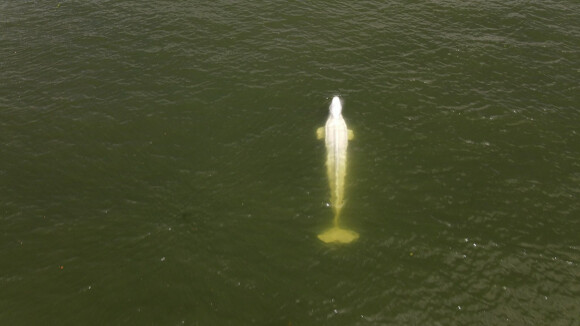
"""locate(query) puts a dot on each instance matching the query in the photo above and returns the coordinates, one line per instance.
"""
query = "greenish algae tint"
(158, 164)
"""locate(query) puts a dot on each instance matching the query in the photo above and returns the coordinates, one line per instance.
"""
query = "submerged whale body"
(336, 135)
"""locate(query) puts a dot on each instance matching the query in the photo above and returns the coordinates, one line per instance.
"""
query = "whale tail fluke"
(338, 235)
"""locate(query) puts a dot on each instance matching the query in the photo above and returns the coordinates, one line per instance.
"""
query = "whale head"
(335, 107)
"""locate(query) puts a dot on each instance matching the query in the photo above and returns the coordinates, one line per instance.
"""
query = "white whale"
(336, 136)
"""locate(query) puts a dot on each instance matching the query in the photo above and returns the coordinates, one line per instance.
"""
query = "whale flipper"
(320, 133)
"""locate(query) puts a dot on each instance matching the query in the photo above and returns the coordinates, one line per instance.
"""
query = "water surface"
(159, 165)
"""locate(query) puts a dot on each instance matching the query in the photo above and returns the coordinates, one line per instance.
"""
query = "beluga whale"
(336, 135)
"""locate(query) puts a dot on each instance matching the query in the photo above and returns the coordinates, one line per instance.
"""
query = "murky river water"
(159, 163)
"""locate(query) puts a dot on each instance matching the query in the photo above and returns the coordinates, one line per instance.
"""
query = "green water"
(159, 163)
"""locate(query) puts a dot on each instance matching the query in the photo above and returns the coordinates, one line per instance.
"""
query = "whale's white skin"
(336, 139)
(336, 136)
